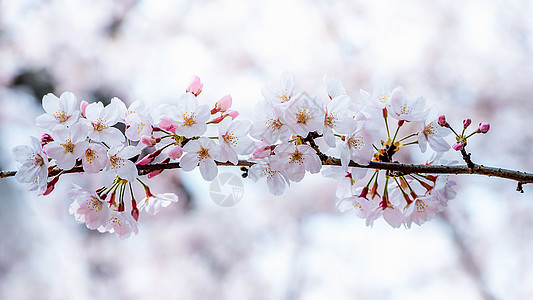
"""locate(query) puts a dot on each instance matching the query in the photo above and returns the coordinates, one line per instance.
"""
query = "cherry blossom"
(188, 117)
(233, 139)
(34, 168)
(87, 207)
(100, 120)
(288, 89)
(94, 159)
(421, 210)
(276, 179)
(404, 108)
(60, 110)
(270, 123)
(202, 153)
(153, 203)
(68, 145)
(119, 164)
(356, 147)
(121, 223)
(195, 87)
(334, 87)
(338, 118)
(295, 160)
(432, 133)
(304, 115)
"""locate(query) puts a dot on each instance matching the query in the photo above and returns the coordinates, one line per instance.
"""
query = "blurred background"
(473, 58)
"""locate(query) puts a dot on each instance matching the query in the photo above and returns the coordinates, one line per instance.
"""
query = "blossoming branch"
(291, 135)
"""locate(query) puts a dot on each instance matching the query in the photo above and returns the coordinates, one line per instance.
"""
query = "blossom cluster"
(292, 133)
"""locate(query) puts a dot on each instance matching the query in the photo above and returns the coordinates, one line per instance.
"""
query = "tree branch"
(519, 176)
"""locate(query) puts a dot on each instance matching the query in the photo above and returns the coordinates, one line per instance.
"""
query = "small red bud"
(458, 146)
(442, 121)
(483, 127)
(466, 123)
(51, 185)
(46, 138)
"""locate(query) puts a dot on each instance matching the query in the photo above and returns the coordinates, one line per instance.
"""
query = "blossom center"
(116, 161)
(355, 142)
(230, 138)
(94, 204)
(99, 125)
(420, 206)
(68, 145)
(430, 129)
(382, 98)
(189, 119)
(297, 157)
(61, 116)
(330, 120)
(303, 115)
(274, 124)
(203, 153)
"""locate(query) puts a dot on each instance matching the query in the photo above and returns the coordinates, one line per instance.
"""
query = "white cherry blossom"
(87, 207)
(202, 153)
(62, 110)
(432, 133)
(304, 115)
(276, 179)
(295, 160)
(118, 163)
(405, 108)
(100, 120)
(121, 223)
(94, 159)
(34, 168)
(356, 147)
(152, 203)
(288, 89)
(334, 87)
(421, 210)
(233, 139)
(339, 117)
(69, 144)
(270, 123)
(188, 118)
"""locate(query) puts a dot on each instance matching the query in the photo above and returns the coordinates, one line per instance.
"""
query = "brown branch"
(519, 176)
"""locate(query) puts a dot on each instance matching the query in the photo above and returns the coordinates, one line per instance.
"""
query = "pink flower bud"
(232, 113)
(134, 210)
(175, 152)
(148, 140)
(157, 172)
(195, 87)
(466, 123)
(458, 146)
(166, 124)
(149, 158)
(442, 121)
(223, 104)
(45, 139)
(51, 185)
(83, 106)
(262, 152)
(483, 127)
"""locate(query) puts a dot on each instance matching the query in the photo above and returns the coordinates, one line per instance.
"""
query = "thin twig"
(519, 176)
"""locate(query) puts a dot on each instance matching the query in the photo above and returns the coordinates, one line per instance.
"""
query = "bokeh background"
(473, 58)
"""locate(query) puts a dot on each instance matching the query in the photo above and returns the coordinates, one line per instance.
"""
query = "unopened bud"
(149, 158)
(483, 127)
(458, 146)
(148, 140)
(262, 152)
(223, 104)
(466, 123)
(195, 87)
(232, 113)
(46, 138)
(134, 210)
(442, 121)
(364, 192)
(51, 185)
(83, 106)
(157, 172)
(175, 152)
